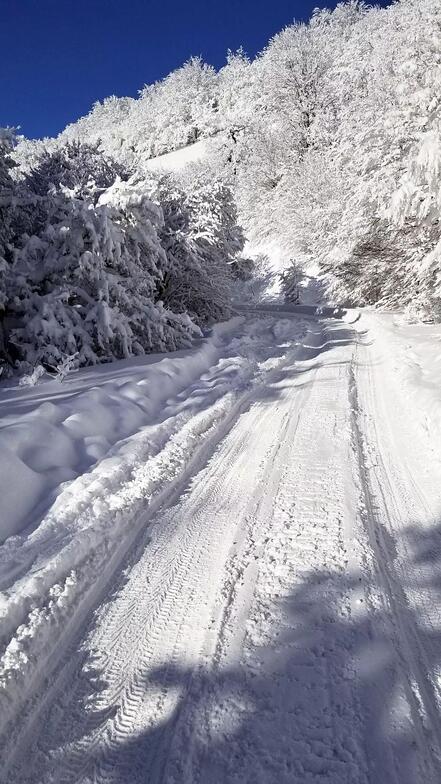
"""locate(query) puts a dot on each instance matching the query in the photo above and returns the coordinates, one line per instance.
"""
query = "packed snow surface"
(226, 563)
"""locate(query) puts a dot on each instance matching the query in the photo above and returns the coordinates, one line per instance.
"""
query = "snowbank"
(53, 432)
(410, 356)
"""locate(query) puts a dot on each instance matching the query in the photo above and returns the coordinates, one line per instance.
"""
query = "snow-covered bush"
(202, 241)
(66, 366)
(8, 209)
(289, 283)
(415, 216)
(80, 169)
(30, 379)
(103, 264)
(242, 268)
(6, 205)
(85, 282)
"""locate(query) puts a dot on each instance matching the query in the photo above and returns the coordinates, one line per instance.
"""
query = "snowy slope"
(247, 589)
(178, 159)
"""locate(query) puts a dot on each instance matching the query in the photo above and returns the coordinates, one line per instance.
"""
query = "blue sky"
(59, 56)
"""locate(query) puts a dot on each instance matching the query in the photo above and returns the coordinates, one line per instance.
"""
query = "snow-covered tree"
(85, 281)
(202, 241)
(327, 144)
(6, 233)
(290, 282)
(79, 168)
(6, 207)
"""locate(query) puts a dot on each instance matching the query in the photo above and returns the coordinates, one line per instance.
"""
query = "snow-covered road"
(251, 590)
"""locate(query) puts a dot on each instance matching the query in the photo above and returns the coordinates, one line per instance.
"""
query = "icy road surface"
(248, 589)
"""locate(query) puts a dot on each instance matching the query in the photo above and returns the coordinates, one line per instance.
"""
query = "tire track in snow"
(209, 441)
(301, 528)
(226, 655)
(390, 501)
(163, 635)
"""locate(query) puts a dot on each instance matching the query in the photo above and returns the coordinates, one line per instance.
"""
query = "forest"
(324, 149)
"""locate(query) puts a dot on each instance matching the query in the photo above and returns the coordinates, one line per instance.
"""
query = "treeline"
(341, 160)
(330, 140)
(326, 148)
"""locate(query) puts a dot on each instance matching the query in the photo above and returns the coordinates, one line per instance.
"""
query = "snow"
(54, 431)
(286, 150)
(178, 159)
(15, 475)
(223, 564)
(226, 562)
(412, 358)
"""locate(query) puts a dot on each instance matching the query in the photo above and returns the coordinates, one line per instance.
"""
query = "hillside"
(329, 141)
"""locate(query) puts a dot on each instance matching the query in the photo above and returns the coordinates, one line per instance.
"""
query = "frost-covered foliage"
(9, 200)
(86, 283)
(81, 169)
(94, 257)
(329, 141)
(289, 283)
(6, 208)
(167, 115)
(202, 240)
(351, 169)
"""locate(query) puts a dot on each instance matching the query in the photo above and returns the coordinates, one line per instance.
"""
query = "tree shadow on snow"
(323, 694)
